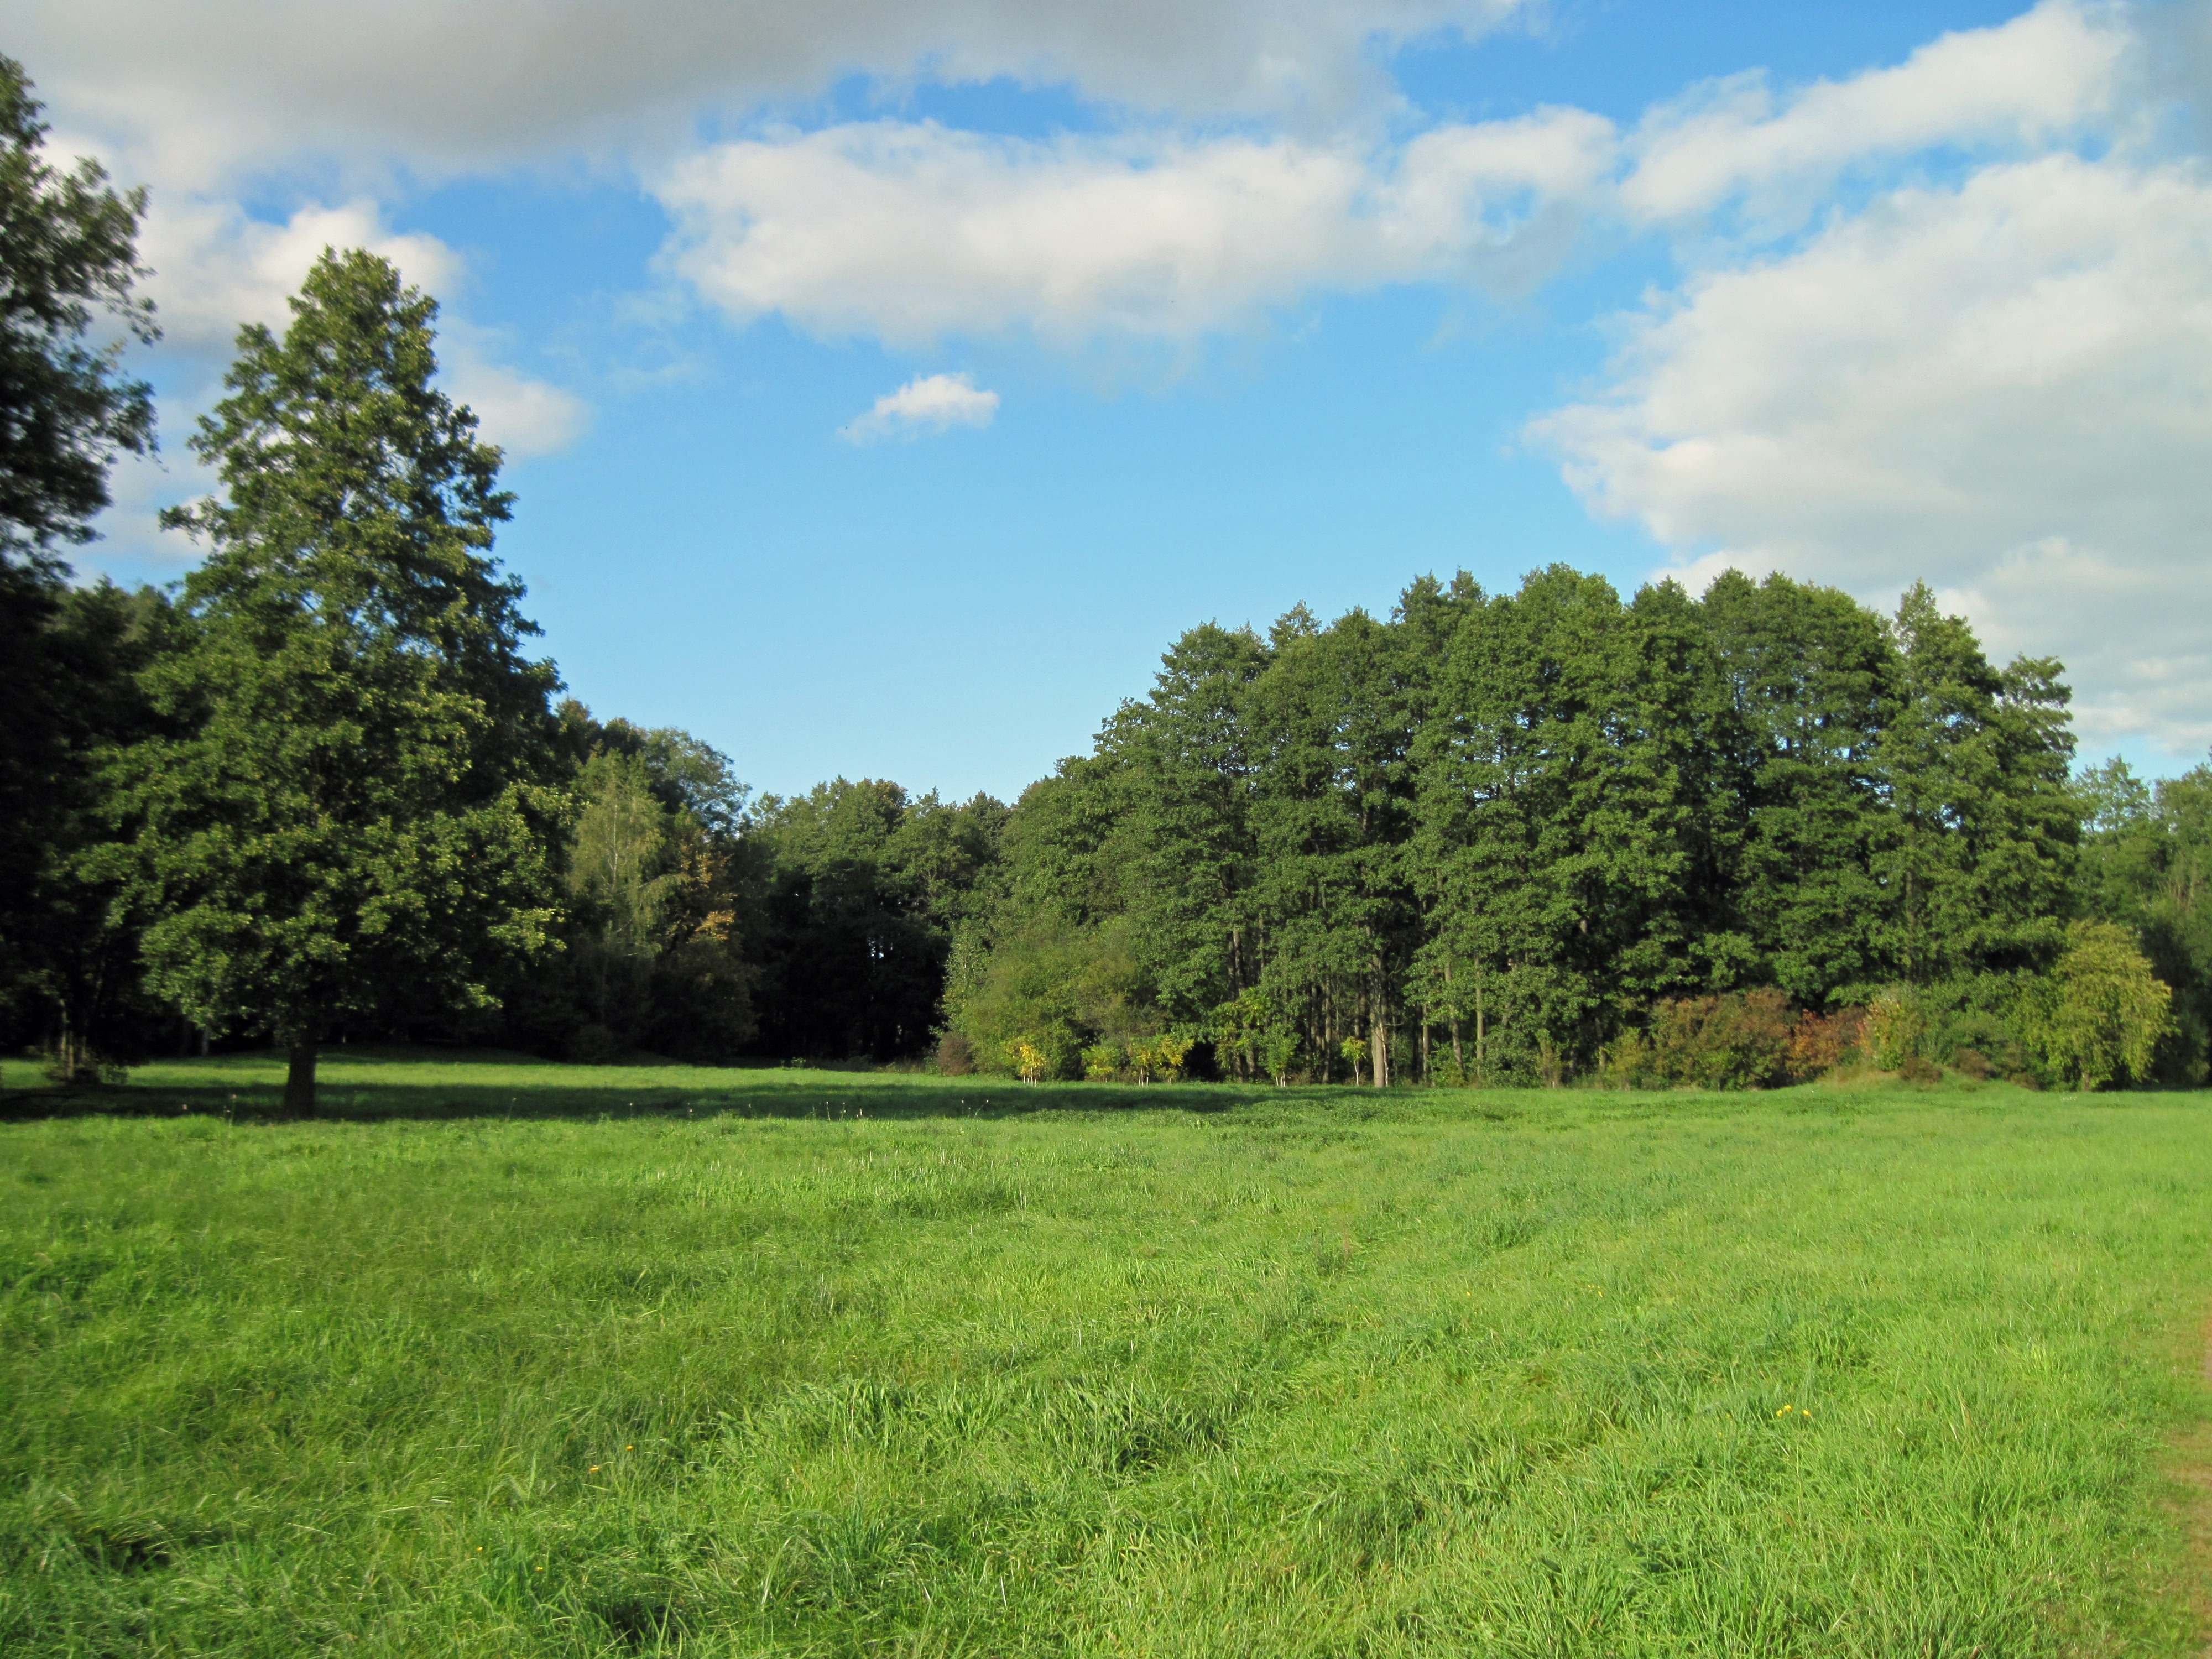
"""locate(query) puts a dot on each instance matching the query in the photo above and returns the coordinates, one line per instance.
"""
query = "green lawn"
(505, 1358)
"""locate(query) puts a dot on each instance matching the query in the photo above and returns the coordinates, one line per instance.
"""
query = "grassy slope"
(1222, 1372)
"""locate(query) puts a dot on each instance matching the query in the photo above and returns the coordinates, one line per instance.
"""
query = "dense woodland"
(321, 791)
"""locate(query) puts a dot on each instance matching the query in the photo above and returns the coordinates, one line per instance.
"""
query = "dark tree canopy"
(68, 260)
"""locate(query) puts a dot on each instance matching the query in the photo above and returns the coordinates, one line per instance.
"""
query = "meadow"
(505, 1358)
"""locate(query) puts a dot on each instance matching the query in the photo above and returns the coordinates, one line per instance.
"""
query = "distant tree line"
(1511, 837)
(321, 791)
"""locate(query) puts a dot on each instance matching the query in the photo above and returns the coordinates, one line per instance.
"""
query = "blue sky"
(1201, 315)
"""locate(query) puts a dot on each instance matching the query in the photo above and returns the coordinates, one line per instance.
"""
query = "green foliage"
(1896, 1027)
(76, 936)
(655, 942)
(67, 257)
(1063, 992)
(1480, 839)
(2103, 1013)
(1748, 1040)
(2146, 865)
(1733, 1042)
(1160, 1057)
(67, 252)
(863, 891)
(1105, 1062)
(507, 1357)
(1812, 680)
(356, 808)
(1980, 857)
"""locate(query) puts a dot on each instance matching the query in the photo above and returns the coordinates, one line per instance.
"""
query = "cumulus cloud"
(198, 91)
(930, 403)
(2004, 387)
(2002, 381)
(908, 231)
(2043, 73)
(523, 416)
(216, 268)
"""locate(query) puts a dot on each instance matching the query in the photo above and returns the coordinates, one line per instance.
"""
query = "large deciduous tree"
(67, 259)
(360, 805)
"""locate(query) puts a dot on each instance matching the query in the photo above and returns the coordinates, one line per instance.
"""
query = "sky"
(885, 383)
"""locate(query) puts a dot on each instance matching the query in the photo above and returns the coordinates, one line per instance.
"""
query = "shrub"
(1741, 1041)
(1818, 1042)
(1896, 1029)
(1979, 1043)
(594, 1045)
(2103, 1013)
(1103, 1062)
(1917, 1068)
(1160, 1057)
(956, 1055)
(1353, 1052)
(1050, 1055)
(1061, 992)
(1627, 1062)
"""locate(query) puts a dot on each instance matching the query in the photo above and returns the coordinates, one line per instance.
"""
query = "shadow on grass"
(421, 1084)
(520, 1088)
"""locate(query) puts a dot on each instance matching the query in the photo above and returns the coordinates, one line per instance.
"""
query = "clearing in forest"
(509, 1358)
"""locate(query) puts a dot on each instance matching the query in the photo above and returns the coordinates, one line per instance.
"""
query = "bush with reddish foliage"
(1818, 1042)
(1740, 1041)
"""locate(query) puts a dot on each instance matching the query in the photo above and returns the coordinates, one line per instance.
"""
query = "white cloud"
(131, 538)
(931, 402)
(216, 268)
(2045, 72)
(2004, 384)
(523, 416)
(908, 231)
(193, 92)
(2004, 387)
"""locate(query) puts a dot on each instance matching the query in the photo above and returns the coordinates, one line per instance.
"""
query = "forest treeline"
(321, 790)
(1501, 838)
(1517, 837)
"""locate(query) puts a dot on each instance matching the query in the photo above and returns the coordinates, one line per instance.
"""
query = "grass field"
(513, 1359)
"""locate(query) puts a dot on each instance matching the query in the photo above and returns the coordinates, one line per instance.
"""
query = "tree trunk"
(300, 1079)
(1379, 1062)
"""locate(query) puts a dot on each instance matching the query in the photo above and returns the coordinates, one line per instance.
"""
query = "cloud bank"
(216, 269)
(2004, 387)
(906, 232)
(195, 93)
(1947, 317)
